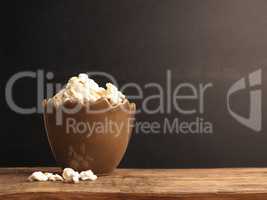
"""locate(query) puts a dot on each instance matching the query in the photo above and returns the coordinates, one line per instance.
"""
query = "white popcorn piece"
(75, 179)
(48, 174)
(114, 94)
(71, 175)
(88, 175)
(58, 177)
(68, 175)
(85, 89)
(54, 177)
(80, 88)
(38, 176)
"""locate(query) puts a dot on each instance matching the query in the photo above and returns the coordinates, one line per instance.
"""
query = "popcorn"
(69, 175)
(53, 177)
(58, 177)
(88, 175)
(38, 176)
(84, 89)
(113, 94)
(48, 174)
(75, 179)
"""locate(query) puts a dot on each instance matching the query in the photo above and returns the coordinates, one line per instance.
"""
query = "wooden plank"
(185, 184)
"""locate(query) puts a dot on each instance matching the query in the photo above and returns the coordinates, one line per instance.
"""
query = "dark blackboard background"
(138, 40)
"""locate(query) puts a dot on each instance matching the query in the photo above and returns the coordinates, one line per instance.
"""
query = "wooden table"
(196, 184)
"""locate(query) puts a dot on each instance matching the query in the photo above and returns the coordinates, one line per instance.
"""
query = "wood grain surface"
(196, 184)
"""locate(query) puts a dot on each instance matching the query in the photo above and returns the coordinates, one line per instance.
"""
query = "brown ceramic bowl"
(95, 137)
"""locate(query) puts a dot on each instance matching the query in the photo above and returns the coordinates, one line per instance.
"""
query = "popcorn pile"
(69, 175)
(84, 89)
